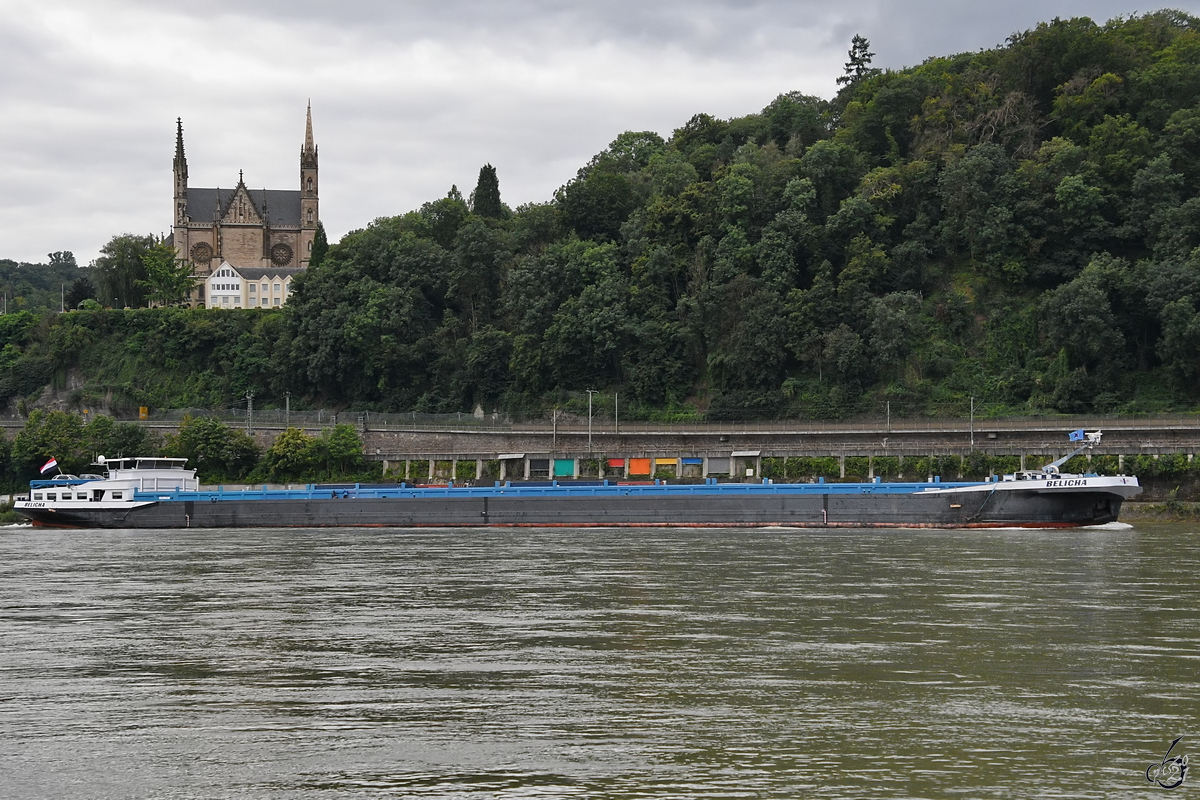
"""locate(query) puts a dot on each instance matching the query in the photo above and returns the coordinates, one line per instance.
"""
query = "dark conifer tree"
(859, 65)
(485, 200)
(82, 289)
(320, 247)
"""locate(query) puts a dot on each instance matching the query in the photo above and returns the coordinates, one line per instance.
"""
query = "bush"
(813, 467)
(886, 466)
(856, 468)
(774, 468)
(948, 468)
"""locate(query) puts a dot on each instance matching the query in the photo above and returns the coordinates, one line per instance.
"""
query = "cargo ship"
(164, 493)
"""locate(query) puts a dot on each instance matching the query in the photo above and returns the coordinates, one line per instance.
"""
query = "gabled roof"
(258, 273)
(283, 205)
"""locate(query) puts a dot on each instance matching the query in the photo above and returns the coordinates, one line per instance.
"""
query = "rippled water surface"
(597, 663)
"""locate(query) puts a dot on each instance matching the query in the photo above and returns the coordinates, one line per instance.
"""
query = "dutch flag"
(49, 465)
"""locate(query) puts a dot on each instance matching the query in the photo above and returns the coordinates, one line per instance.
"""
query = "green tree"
(215, 450)
(342, 450)
(121, 270)
(858, 66)
(82, 289)
(103, 436)
(478, 261)
(320, 247)
(169, 279)
(597, 205)
(485, 200)
(46, 435)
(293, 455)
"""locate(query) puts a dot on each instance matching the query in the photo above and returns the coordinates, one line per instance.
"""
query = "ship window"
(51, 496)
(116, 495)
(81, 495)
(37, 496)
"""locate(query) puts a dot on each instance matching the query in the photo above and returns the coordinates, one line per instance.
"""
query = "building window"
(277, 288)
(253, 287)
(266, 302)
(276, 301)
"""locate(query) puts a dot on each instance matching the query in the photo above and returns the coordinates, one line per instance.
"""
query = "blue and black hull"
(830, 506)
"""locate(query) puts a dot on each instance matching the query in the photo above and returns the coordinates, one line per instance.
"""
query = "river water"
(596, 663)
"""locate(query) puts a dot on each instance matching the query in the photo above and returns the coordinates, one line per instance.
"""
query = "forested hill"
(1017, 225)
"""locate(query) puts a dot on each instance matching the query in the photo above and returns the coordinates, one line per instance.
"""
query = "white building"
(247, 287)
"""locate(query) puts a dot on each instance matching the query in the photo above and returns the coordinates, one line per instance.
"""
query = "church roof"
(283, 205)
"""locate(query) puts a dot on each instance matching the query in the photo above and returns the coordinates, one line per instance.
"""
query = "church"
(238, 239)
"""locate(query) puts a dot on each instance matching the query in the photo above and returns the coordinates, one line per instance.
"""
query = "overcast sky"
(408, 97)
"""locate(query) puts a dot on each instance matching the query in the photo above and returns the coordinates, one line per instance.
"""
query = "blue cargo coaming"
(555, 489)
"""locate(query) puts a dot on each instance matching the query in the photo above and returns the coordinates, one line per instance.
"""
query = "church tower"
(309, 213)
(181, 176)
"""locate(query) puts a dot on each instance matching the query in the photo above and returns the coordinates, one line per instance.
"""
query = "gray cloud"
(408, 98)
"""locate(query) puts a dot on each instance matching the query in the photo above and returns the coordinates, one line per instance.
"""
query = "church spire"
(181, 176)
(308, 137)
(180, 159)
(308, 153)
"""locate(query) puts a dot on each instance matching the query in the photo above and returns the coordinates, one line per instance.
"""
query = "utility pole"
(889, 412)
(590, 392)
(287, 410)
(554, 429)
(62, 298)
(250, 413)
(972, 423)
(616, 413)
